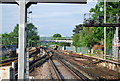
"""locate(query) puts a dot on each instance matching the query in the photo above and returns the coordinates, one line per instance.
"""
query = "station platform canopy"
(46, 1)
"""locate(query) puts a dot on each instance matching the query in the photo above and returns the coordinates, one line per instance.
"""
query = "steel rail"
(39, 62)
(8, 62)
(56, 70)
(73, 71)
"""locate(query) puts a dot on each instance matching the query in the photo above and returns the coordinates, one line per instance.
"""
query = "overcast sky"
(48, 18)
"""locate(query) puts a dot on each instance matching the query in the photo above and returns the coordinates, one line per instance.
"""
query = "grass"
(89, 54)
(109, 58)
(3, 58)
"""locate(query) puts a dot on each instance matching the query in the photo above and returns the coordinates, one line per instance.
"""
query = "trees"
(32, 35)
(12, 37)
(78, 29)
(5, 38)
(90, 36)
(56, 36)
(112, 9)
(76, 39)
(85, 38)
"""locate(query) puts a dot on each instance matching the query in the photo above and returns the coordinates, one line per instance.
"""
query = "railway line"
(72, 73)
(88, 68)
(68, 66)
(32, 64)
(15, 58)
(79, 76)
(8, 62)
(58, 74)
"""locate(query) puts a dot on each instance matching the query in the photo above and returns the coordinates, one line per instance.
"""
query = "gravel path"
(64, 72)
(47, 72)
(42, 72)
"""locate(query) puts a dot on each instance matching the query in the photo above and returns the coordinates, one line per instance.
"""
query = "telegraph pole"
(104, 30)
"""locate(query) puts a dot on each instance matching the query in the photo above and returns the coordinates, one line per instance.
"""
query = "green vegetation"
(89, 54)
(58, 37)
(12, 37)
(109, 58)
(90, 36)
(3, 58)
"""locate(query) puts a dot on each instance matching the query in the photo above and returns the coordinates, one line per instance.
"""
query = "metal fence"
(82, 50)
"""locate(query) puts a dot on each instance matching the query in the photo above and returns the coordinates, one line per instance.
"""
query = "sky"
(49, 18)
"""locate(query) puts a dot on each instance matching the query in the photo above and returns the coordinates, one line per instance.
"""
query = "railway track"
(82, 68)
(15, 59)
(8, 62)
(38, 62)
(73, 70)
(88, 68)
(90, 58)
(77, 75)
(56, 70)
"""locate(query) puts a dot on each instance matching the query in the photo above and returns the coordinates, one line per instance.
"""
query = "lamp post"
(27, 54)
(104, 30)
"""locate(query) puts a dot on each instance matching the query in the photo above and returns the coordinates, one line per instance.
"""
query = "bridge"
(65, 41)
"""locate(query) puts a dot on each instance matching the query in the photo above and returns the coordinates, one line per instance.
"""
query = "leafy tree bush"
(12, 37)
(90, 36)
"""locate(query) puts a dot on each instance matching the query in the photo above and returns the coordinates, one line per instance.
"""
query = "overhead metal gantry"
(23, 5)
(102, 25)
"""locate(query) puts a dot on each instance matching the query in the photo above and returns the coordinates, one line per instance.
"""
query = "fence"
(82, 50)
